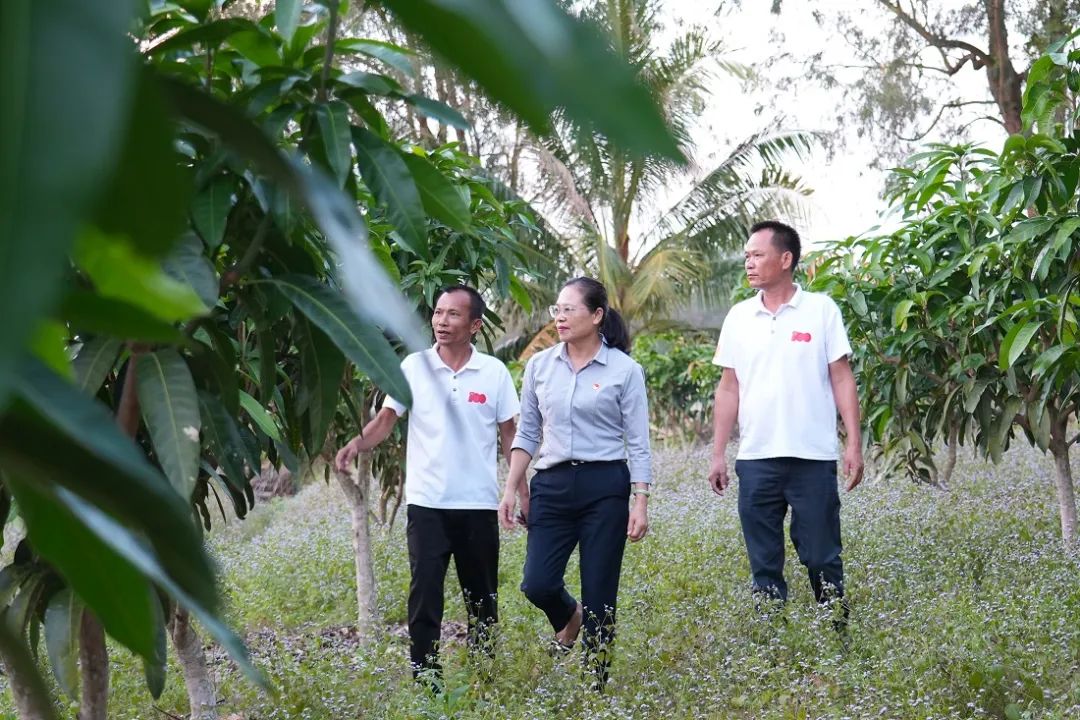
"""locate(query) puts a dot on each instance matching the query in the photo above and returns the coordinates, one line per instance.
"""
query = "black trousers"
(766, 489)
(578, 505)
(471, 537)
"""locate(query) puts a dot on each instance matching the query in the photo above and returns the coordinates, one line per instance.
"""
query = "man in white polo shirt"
(463, 403)
(786, 373)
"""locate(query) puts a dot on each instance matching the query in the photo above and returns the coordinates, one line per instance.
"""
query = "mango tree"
(964, 318)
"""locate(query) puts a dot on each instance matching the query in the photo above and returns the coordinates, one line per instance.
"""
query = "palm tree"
(685, 254)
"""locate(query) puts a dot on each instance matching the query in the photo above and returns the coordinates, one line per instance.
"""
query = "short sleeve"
(725, 346)
(407, 368)
(508, 405)
(836, 337)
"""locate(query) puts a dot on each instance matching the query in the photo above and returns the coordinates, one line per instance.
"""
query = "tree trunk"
(357, 489)
(1063, 480)
(202, 696)
(950, 456)
(28, 691)
(1005, 83)
(93, 669)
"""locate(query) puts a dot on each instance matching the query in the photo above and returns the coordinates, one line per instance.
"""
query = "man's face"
(451, 321)
(766, 266)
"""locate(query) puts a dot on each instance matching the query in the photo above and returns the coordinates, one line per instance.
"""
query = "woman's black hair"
(612, 326)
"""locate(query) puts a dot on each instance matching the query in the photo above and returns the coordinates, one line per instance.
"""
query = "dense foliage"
(964, 318)
(680, 378)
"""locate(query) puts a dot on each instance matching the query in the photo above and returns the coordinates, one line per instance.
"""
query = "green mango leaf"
(520, 294)
(200, 9)
(362, 277)
(66, 518)
(371, 83)
(208, 34)
(322, 367)
(117, 593)
(103, 466)
(900, 314)
(187, 264)
(148, 176)
(363, 344)
(49, 345)
(534, 58)
(396, 56)
(222, 437)
(257, 46)
(386, 174)
(362, 105)
(258, 414)
(63, 619)
(440, 197)
(287, 17)
(439, 111)
(1016, 341)
(55, 147)
(211, 207)
(95, 361)
(88, 312)
(1047, 360)
(120, 274)
(154, 667)
(170, 409)
(333, 122)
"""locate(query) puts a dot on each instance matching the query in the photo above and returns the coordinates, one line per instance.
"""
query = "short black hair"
(784, 238)
(477, 306)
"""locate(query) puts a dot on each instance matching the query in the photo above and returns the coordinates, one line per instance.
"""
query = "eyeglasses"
(555, 310)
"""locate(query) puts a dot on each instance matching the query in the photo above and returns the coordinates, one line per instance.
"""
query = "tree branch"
(941, 111)
(328, 59)
(937, 41)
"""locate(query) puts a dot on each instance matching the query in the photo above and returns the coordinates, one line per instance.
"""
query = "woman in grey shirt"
(583, 406)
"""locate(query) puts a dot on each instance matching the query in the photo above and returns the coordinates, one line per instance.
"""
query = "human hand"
(638, 526)
(523, 505)
(346, 456)
(718, 475)
(853, 465)
(506, 510)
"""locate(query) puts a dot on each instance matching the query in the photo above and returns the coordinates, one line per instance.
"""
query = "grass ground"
(963, 605)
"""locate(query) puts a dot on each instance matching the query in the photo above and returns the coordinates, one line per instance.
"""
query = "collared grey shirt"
(598, 413)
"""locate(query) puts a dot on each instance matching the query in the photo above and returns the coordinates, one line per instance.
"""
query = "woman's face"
(573, 321)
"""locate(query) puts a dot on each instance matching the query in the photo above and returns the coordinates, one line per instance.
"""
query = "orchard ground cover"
(963, 605)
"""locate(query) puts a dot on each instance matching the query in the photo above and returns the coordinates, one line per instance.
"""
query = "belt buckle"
(577, 462)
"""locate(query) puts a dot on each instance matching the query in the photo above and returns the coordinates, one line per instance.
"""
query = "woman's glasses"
(557, 310)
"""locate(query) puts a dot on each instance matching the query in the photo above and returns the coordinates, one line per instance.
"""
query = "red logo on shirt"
(797, 336)
(475, 397)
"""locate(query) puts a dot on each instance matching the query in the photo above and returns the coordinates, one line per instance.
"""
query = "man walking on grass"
(784, 354)
(464, 402)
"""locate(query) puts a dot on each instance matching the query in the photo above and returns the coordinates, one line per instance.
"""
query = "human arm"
(516, 491)
(522, 447)
(634, 405)
(507, 431)
(846, 395)
(725, 412)
(373, 433)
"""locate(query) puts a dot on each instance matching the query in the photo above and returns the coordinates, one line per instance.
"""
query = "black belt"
(582, 464)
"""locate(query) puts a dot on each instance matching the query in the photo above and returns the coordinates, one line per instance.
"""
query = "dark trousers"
(471, 537)
(584, 505)
(766, 489)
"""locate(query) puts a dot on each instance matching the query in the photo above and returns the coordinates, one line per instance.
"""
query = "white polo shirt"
(451, 458)
(786, 404)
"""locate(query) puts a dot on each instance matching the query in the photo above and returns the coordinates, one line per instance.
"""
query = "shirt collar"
(600, 357)
(793, 302)
(437, 363)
